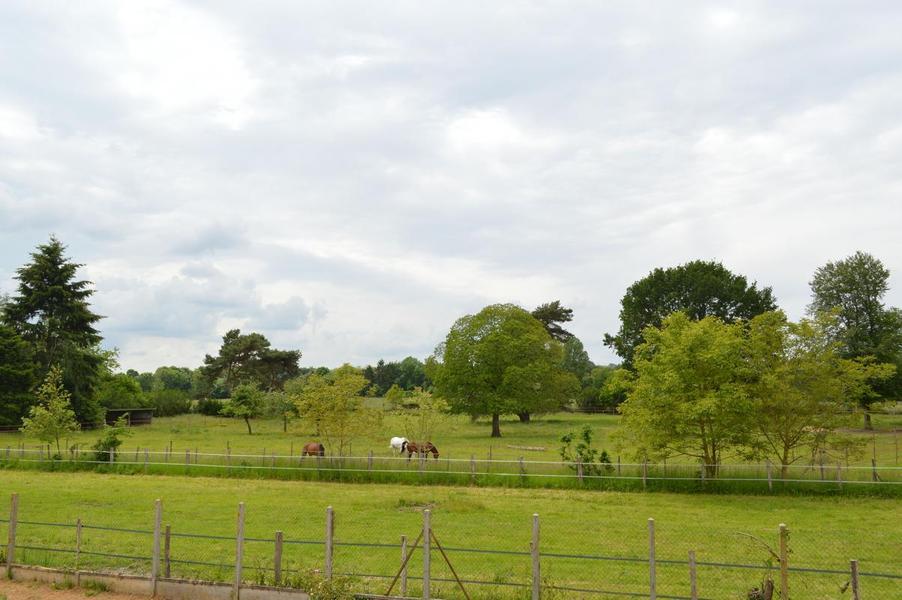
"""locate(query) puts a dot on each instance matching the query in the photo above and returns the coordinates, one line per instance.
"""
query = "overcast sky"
(348, 178)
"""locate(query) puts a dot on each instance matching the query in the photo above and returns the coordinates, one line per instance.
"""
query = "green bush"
(209, 406)
(168, 403)
(111, 440)
(320, 588)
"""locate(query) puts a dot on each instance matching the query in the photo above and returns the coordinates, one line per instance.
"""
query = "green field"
(458, 438)
(824, 532)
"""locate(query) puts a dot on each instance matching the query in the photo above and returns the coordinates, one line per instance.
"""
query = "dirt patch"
(31, 590)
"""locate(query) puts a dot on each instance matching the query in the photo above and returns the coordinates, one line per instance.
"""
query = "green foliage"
(52, 314)
(551, 315)
(697, 288)
(168, 403)
(173, 378)
(246, 403)
(500, 361)
(599, 389)
(431, 414)
(210, 407)
(393, 397)
(576, 359)
(119, 391)
(249, 359)
(52, 418)
(111, 439)
(855, 288)
(802, 387)
(688, 396)
(333, 406)
(16, 377)
(584, 452)
(279, 405)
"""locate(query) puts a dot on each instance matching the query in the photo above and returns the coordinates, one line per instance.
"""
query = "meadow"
(609, 530)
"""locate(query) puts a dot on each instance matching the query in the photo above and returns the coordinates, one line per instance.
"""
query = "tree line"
(503, 360)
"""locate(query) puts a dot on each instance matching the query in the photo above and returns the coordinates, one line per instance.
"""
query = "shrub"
(111, 440)
(211, 407)
(168, 403)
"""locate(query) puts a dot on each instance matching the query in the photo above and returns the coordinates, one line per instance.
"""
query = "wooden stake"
(854, 582)
(784, 562)
(330, 530)
(277, 559)
(652, 579)
(536, 563)
(693, 585)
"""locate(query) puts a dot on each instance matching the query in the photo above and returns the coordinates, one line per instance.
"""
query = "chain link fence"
(432, 554)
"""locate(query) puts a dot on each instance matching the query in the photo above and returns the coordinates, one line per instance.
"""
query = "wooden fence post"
(112, 455)
(427, 548)
(369, 461)
(644, 474)
(403, 565)
(652, 579)
(693, 584)
(770, 477)
(618, 466)
(239, 552)
(187, 457)
(330, 531)
(839, 474)
(472, 468)
(11, 540)
(579, 470)
(784, 562)
(536, 563)
(277, 559)
(77, 542)
(874, 476)
(854, 582)
(157, 525)
(167, 552)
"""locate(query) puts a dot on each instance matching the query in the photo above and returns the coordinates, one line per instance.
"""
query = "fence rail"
(242, 559)
(833, 476)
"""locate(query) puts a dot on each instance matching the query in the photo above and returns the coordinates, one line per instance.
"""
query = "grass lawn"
(824, 532)
(459, 438)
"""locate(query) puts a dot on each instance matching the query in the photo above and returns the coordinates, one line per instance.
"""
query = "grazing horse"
(422, 449)
(313, 449)
(398, 444)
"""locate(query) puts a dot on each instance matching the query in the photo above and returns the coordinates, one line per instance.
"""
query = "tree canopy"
(51, 312)
(501, 361)
(16, 377)
(855, 287)
(248, 358)
(698, 289)
(552, 315)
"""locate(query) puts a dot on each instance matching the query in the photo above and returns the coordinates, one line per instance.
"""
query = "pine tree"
(16, 377)
(52, 314)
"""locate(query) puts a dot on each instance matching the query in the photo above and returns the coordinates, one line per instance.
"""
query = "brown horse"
(313, 449)
(421, 449)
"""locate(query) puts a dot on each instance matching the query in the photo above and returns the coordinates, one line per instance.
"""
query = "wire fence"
(424, 553)
(831, 474)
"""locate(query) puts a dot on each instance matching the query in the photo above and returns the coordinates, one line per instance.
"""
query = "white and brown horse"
(422, 449)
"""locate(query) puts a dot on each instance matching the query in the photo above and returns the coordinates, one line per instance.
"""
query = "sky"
(349, 178)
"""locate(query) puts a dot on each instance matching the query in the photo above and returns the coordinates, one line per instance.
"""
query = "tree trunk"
(867, 421)
(285, 424)
(496, 425)
(248, 421)
(524, 417)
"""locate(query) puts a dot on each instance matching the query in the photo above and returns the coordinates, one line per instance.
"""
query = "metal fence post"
(403, 565)
(277, 559)
(427, 548)
(693, 585)
(239, 552)
(536, 564)
(854, 583)
(784, 562)
(11, 542)
(157, 526)
(330, 531)
(652, 582)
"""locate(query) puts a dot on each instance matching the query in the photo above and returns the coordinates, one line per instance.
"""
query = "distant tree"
(688, 395)
(280, 405)
(431, 414)
(576, 359)
(855, 288)
(248, 358)
(145, 380)
(596, 391)
(52, 418)
(801, 387)
(500, 361)
(245, 403)
(393, 397)
(51, 312)
(173, 378)
(16, 377)
(119, 391)
(333, 405)
(382, 376)
(698, 288)
(412, 374)
(551, 315)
